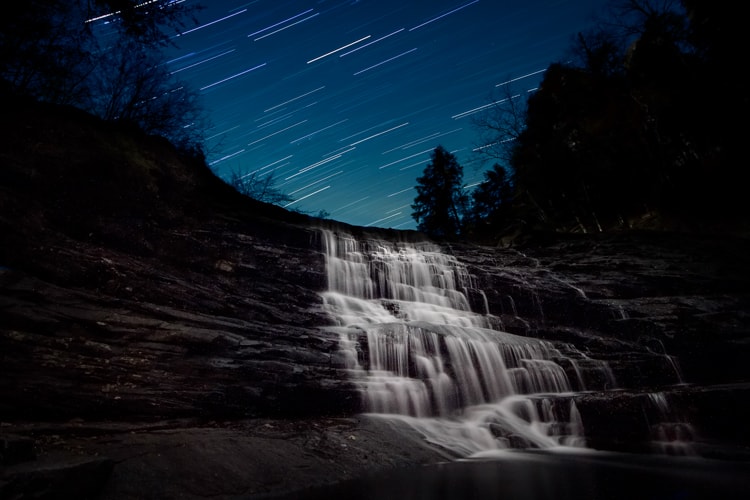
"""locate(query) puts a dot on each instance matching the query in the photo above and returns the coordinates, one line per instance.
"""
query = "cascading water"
(671, 436)
(446, 370)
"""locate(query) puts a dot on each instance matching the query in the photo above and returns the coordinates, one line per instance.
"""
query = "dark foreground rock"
(193, 460)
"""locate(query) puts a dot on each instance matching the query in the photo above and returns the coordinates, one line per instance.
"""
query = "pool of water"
(556, 475)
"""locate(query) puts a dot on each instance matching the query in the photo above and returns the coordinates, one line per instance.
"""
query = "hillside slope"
(158, 329)
(151, 273)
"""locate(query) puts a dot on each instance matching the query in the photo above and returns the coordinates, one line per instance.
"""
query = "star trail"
(342, 102)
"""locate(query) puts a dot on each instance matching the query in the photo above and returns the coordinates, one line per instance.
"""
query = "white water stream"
(418, 353)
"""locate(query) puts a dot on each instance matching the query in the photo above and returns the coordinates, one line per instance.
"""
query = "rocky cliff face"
(138, 293)
(128, 293)
(669, 293)
(669, 312)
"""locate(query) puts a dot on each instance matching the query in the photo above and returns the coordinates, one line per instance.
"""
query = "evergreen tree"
(441, 202)
(490, 203)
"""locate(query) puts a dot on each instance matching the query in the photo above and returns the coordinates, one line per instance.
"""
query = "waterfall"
(419, 353)
(671, 435)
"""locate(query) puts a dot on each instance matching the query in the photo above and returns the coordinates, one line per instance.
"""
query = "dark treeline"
(644, 123)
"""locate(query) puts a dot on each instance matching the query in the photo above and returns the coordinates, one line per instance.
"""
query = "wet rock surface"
(667, 294)
(246, 458)
(161, 341)
(162, 337)
(668, 312)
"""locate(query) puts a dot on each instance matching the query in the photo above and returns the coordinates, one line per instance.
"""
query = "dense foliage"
(645, 123)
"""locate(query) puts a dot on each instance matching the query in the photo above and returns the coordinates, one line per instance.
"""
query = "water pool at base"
(550, 475)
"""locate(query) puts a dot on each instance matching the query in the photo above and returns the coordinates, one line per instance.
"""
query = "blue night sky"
(343, 101)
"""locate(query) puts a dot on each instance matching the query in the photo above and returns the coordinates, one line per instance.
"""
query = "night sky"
(343, 101)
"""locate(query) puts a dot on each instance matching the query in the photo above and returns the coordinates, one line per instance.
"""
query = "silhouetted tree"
(441, 201)
(583, 159)
(43, 50)
(259, 187)
(149, 22)
(718, 139)
(625, 128)
(61, 51)
(139, 89)
(490, 204)
(499, 125)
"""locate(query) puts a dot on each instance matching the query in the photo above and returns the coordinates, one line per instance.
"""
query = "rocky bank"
(162, 336)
